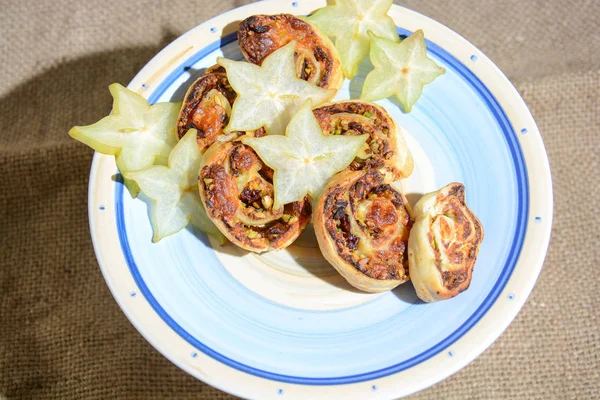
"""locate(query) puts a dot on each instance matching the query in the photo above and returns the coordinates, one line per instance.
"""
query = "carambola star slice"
(401, 70)
(349, 21)
(174, 191)
(305, 158)
(136, 133)
(268, 95)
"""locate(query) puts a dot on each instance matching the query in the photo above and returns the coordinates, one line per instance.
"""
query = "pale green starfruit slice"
(136, 133)
(401, 70)
(268, 95)
(349, 22)
(174, 191)
(304, 159)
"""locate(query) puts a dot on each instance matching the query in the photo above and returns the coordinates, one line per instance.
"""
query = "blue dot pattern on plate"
(194, 355)
(102, 208)
(538, 219)
(373, 388)
(280, 392)
(213, 29)
(450, 354)
(295, 4)
(311, 347)
(132, 294)
(511, 296)
(524, 131)
(473, 57)
(144, 86)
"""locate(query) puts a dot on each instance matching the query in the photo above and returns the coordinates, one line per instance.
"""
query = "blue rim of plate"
(513, 255)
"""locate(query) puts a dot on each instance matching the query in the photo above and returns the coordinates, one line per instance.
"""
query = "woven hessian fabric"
(62, 335)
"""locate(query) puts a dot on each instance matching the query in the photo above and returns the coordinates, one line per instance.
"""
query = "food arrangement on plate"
(257, 150)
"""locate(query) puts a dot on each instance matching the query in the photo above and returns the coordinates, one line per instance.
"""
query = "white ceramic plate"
(285, 324)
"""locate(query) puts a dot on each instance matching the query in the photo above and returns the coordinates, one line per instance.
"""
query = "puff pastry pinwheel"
(443, 244)
(385, 147)
(350, 22)
(317, 60)
(207, 108)
(236, 188)
(362, 225)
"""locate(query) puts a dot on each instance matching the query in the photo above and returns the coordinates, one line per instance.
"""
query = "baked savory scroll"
(443, 244)
(385, 147)
(236, 189)
(362, 226)
(317, 60)
(207, 107)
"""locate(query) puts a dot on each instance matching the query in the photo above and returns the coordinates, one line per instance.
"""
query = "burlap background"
(62, 336)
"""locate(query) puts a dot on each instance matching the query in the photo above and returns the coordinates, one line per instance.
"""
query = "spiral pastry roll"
(386, 147)
(362, 226)
(443, 244)
(236, 188)
(317, 60)
(207, 107)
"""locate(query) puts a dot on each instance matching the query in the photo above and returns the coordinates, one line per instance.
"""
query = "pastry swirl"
(385, 147)
(236, 188)
(362, 225)
(316, 58)
(207, 107)
(443, 244)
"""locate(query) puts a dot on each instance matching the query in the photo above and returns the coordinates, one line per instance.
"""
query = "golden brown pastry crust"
(362, 225)
(207, 106)
(237, 192)
(385, 148)
(317, 60)
(444, 244)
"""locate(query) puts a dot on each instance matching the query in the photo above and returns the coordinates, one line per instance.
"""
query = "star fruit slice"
(349, 21)
(304, 159)
(400, 69)
(174, 191)
(268, 95)
(136, 133)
